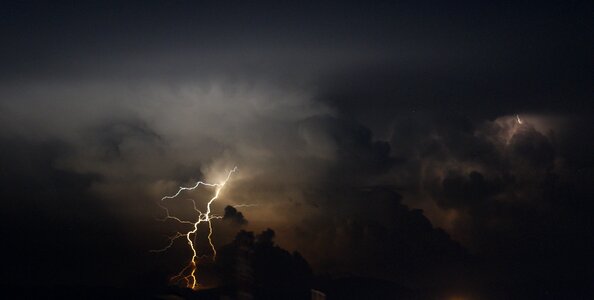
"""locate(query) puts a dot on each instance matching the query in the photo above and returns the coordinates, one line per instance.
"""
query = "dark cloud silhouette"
(58, 233)
(368, 231)
(347, 145)
(497, 187)
(234, 216)
(254, 265)
(459, 191)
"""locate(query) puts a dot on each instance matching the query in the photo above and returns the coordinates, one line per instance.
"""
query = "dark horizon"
(427, 147)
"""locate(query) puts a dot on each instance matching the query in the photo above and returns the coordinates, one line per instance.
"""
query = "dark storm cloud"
(234, 216)
(340, 219)
(459, 191)
(348, 145)
(265, 270)
(497, 187)
(343, 119)
(369, 231)
(54, 230)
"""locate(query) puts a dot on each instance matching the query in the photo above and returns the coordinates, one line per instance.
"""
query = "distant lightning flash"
(188, 273)
(519, 120)
(519, 123)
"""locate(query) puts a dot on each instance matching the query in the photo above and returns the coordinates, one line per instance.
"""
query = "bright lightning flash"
(188, 273)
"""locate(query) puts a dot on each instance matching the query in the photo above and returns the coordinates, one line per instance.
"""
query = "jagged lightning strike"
(190, 276)
(518, 123)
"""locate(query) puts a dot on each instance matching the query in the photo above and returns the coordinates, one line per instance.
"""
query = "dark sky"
(378, 139)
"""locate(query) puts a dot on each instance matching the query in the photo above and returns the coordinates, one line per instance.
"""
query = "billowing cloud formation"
(305, 167)
(329, 187)
(234, 216)
(499, 187)
(341, 136)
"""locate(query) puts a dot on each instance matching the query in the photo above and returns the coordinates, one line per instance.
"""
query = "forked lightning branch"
(188, 273)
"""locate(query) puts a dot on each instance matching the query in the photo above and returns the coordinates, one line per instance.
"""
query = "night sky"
(444, 147)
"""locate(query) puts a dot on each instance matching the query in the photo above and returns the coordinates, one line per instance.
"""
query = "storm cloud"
(380, 140)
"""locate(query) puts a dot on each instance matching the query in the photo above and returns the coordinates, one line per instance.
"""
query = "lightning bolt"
(519, 120)
(188, 273)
